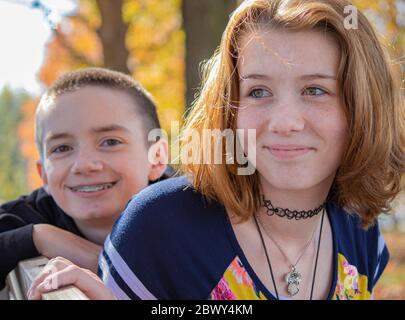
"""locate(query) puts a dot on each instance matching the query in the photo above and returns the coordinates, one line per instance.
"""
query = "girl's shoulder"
(362, 254)
(168, 234)
(173, 202)
(347, 225)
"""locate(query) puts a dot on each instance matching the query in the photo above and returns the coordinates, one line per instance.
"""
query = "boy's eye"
(62, 148)
(110, 142)
(259, 93)
(314, 91)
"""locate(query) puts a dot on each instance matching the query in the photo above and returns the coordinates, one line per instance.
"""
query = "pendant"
(293, 279)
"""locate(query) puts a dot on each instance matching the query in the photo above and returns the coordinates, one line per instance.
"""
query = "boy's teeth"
(93, 188)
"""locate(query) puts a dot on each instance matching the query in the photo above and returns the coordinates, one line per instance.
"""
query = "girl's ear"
(158, 156)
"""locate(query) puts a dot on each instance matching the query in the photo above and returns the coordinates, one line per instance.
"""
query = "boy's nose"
(85, 164)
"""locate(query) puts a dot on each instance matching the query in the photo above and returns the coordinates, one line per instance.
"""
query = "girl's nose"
(286, 118)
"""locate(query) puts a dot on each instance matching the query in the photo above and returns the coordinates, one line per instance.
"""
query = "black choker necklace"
(290, 214)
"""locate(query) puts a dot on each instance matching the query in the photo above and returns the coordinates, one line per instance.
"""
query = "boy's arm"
(15, 245)
(52, 242)
(28, 241)
(16, 224)
(17, 220)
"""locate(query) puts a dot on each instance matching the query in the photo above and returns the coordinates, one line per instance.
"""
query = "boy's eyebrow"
(55, 136)
(65, 135)
(258, 76)
(112, 127)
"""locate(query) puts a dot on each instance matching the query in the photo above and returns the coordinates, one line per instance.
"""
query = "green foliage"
(12, 172)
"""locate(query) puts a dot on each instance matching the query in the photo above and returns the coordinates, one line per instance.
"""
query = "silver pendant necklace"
(293, 278)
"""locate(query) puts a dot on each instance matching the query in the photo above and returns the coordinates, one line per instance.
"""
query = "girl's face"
(289, 94)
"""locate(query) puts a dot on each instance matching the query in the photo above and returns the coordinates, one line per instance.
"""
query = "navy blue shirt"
(171, 243)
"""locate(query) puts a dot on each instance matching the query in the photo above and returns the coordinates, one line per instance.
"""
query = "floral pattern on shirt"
(350, 284)
(236, 284)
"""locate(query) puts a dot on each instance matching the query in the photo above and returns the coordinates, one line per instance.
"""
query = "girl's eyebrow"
(255, 76)
(258, 76)
(318, 76)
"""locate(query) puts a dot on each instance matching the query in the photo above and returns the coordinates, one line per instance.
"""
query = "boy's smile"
(92, 190)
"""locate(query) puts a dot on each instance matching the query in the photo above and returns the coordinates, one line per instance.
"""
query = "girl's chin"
(287, 182)
(289, 187)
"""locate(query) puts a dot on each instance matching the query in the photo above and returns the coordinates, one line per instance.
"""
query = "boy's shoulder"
(32, 201)
(36, 207)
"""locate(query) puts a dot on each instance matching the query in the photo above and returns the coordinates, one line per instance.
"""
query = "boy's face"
(95, 155)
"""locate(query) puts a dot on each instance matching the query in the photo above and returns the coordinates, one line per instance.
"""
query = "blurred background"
(159, 42)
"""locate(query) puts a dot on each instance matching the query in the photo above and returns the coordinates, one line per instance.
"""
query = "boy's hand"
(60, 272)
(52, 242)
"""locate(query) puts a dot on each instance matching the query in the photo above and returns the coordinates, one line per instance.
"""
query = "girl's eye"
(61, 149)
(110, 142)
(259, 93)
(314, 91)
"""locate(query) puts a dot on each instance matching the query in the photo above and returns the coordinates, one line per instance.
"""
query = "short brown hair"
(72, 81)
(374, 162)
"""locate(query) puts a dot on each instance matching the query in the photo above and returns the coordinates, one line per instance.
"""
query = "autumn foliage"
(27, 143)
(155, 43)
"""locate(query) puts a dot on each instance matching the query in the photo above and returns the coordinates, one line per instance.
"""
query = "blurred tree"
(26, 133)
(204, 22)
(140, 37)
(95, 36)
(112, 33)
(12, 164)
(388, 17)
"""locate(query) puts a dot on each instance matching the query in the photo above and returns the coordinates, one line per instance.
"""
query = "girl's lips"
(288, 153)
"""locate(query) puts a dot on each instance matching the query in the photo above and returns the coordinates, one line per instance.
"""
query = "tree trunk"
(204, 21)
(112, 33)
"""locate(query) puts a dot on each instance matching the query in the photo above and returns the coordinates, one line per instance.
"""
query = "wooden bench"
(21, 278)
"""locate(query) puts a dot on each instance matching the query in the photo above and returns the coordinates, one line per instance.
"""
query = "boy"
(91, 133)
